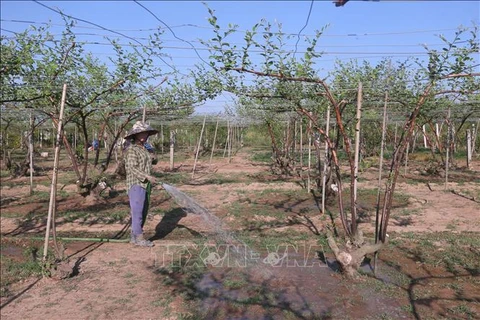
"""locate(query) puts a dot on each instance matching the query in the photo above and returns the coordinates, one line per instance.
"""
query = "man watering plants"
(138, 166)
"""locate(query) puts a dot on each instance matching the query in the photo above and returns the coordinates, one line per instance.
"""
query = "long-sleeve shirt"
(138, 165)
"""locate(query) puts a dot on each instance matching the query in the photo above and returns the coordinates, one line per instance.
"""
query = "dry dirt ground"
(113, 280)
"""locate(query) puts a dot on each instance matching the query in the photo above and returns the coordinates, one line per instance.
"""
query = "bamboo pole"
(301, 145)
(475, 134)
(380, 169)
(172, 147)
(414, 140)
(53, 189)
(214, 140)
(228, 138)
(198, 147)
(230, 145)
(144, 113)
(294, 164)
(75, 134)
(453, 139)
(469, 149)
(424, 137)
(447, 159)
(309, 154)
(357, 154)
(325, 160)
(396, 129)
(30, 150)
(162, 138)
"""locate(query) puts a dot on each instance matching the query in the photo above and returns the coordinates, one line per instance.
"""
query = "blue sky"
(363, 30)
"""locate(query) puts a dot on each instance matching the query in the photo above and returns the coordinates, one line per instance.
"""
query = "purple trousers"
(138, 208)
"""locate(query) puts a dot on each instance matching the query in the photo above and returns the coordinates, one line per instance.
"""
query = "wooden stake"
(301, 145)
(357, 155)
(214, 140)
(53, 189)
(424, 137)
(172, 146)
(474, 138)
(395, 139)
(198, 146)
(162, 137)
(228, 138)
(309, 154)
(380, 171)
(447, 159)
(30, 150)
(325, 160)
(230, 144)
(469, 149)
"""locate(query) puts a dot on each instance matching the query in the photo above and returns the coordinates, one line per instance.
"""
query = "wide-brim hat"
(139, 127)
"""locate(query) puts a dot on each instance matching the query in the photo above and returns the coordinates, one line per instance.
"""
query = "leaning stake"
(53, 190)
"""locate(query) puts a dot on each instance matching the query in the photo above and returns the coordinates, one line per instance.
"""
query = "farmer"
(138, 166)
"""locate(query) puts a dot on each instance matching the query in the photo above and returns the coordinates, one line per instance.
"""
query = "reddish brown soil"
(119, 281)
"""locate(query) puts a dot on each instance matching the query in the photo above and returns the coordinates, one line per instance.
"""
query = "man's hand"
(152, 180)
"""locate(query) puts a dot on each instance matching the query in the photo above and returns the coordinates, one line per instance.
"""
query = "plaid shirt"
(138, 165)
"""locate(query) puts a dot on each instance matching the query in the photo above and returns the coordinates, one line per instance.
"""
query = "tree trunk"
(350, 259)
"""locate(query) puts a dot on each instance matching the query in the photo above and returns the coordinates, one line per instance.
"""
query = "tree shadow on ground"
(224, 294)
(169, 223)
(413, 280)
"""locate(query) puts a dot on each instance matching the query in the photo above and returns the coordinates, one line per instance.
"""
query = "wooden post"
(230, 135)
(172, 147)
(424, 137)
(214, 140)
(414, 140)
(53, 189)
(198, 147)
(162, 137)
(474, 138)
(301, 145)
(309, 154)
(30, 150)
(469, 149)
(356, 156)
(294, 147)
(228, 138)
(453, 139)
(395, 139)
(75, 138)
(325, 160)
(447, 158)
(380, 169)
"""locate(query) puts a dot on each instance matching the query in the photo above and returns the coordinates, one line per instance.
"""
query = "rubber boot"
(142, 242)
(132, 238)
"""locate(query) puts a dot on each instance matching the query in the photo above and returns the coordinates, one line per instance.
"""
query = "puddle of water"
(275, 284)
(300, 288)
